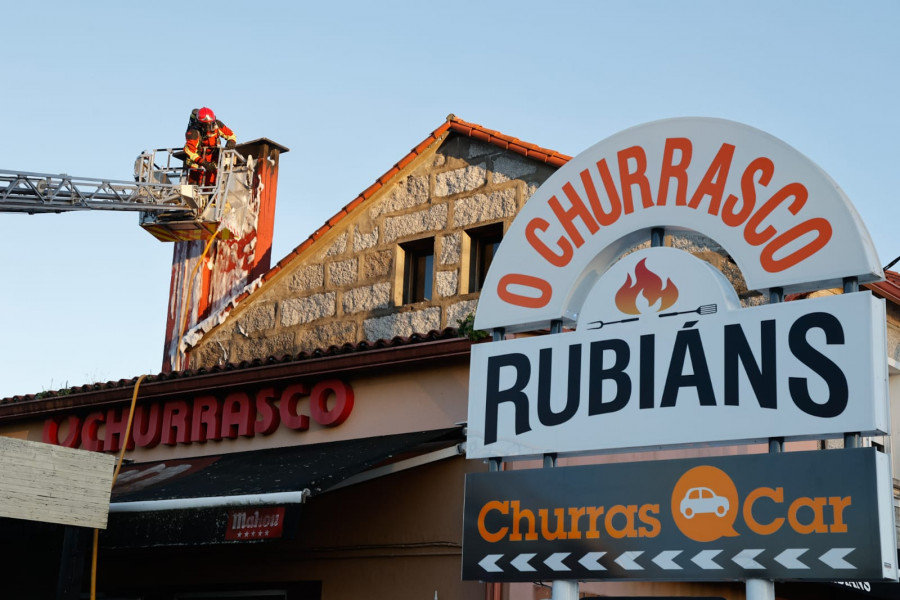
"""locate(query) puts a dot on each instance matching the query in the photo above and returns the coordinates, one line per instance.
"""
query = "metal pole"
(760, 589)
(568, 590)
(560, 590)
(763, 589)
(853, 439)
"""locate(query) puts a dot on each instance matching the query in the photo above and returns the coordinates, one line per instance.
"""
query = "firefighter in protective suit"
(202, 145)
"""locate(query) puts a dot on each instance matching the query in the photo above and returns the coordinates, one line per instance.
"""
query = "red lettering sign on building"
(205, 417)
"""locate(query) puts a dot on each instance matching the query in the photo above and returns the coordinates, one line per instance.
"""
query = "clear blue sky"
(351, 87)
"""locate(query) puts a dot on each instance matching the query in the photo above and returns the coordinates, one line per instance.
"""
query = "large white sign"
(783, 220)
(663, 354)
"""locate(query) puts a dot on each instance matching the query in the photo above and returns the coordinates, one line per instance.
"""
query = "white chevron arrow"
(521, 562)
(489, 563)
(666, 559)
(745, 558)
(790, 558)
(626, 560)
(589, 561)
(555, 561)
(704, 559)
(834, 558)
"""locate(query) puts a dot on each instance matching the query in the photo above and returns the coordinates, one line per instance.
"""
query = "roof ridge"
(507, 142)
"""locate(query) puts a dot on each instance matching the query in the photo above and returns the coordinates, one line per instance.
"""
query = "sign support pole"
(560, 590)
(568, 590)
(760, 589)
(852, 439)
(764, 589)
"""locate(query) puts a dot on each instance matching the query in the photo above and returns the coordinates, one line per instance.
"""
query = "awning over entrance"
(236, 498)
(291, 469)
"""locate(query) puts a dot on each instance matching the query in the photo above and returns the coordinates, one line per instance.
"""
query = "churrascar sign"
(663, 354)
(796, 515)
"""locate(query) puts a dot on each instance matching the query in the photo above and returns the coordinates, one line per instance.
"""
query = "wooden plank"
(53, 484)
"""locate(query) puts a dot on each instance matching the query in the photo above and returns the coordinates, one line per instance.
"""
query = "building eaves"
(889, 289)
(345, 359)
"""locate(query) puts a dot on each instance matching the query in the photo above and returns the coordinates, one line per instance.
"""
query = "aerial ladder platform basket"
(171, 208)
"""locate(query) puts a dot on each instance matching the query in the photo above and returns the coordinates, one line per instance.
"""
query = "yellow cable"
(137, 385)
(134, 395)
(185, 304)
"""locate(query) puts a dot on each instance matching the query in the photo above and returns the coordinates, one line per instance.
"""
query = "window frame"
(476, 243)
(418, 270)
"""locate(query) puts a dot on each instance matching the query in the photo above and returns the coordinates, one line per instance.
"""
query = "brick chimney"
(229, 265)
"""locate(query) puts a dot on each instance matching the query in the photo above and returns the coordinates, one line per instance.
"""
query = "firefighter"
(202, 145)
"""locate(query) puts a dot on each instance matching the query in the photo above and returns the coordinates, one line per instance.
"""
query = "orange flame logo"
(650, 285)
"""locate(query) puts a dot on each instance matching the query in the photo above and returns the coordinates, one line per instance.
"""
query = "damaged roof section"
(452, 125)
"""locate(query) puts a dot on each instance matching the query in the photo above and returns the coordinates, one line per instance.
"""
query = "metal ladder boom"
(46, 193)
(172, 207)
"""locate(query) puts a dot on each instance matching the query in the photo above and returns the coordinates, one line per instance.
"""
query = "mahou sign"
(238, 414)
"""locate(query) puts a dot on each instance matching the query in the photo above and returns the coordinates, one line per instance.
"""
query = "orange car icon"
(700, 500)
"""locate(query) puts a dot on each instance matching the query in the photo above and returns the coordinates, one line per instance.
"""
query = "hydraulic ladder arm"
(171, 209)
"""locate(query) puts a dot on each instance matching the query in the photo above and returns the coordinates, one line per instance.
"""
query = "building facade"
(313, 444)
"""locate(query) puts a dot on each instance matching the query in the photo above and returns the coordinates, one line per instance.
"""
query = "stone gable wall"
(344, 288)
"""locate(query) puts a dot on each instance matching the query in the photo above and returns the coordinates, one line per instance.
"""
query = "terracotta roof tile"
(480, 134)
(356, 202)
(336, 218)
(387, 176)
(889, 288)
(406, 160)
(423, 146)
(508, 142)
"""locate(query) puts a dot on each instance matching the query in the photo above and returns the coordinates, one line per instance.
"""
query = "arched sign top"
(783, 220)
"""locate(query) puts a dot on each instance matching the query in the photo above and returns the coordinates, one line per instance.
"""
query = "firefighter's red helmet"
(206, 115)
